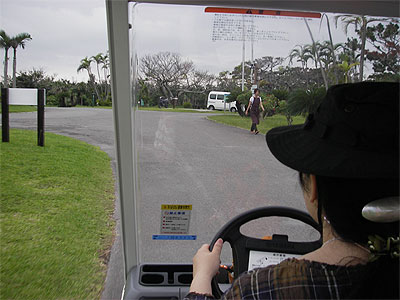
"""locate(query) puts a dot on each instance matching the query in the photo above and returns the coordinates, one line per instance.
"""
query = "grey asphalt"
(185, 158)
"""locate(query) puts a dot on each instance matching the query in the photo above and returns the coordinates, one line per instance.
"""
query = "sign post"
(40, 116)
(22, 97)
(5, 124)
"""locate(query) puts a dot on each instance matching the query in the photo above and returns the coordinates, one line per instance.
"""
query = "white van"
(217, 100)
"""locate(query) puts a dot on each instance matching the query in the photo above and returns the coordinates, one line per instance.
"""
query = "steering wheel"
(241, 244)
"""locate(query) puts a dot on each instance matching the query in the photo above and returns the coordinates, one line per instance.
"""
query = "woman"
(254, 106)
(347, 156)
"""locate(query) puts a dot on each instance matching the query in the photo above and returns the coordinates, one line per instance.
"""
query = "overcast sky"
(64, 32)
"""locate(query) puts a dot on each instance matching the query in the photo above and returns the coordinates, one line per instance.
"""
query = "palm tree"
(312, 50)
(360, 25)
(18, 41)
(106, 69)
(5, 42)
(345, 67)
(99, 60)
(85, 65)
(305, 101)
(303, 55)
(314, 45)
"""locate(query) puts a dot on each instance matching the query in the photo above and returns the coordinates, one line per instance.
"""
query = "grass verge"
(264, 126)
(21, 108)
(55, 218)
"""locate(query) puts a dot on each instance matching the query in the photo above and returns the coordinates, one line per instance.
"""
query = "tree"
(264, 67)
(346, 68)
(323, 73)
(237, 74)
(225, 81)
(328, 57)
(35, 78)
(386, 42)
(302, 54)
(106, 70)
(282, 108)
(167, 70)
(305, 102)
(98, 59)
(18, 41)
(281, 94)
(59, 92)
(197, 85)
(85, 65)
(102, 62)
(5, 42)
(360, 26)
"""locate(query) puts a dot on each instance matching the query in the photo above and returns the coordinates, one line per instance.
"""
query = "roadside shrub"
(106, 102)
(269, 102)
(282, 108)
(51, 100)
(304, 102)
(187, 105)
(234, 94)
(281, 94)
(62, 99)
(244, 97)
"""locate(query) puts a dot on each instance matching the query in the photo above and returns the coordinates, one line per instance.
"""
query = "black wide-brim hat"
(353, 134)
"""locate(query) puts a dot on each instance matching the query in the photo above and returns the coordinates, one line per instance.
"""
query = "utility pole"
(243, 52)
(252, 50)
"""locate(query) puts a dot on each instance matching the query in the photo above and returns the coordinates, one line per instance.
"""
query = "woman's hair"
(342, 200)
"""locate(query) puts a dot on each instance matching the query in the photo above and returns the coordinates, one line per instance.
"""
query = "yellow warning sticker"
(175, 218)
(175, 207)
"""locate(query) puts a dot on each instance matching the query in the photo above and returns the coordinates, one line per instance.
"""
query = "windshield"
(198, 163)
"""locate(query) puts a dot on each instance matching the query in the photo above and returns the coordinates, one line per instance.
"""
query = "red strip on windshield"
(244, 11)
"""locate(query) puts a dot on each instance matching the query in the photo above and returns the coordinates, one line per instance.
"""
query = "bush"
(244, 97)
(304, 102)
(62, 99)
(269, 102)
(233, 95)
(282, 108)
(106, 102)
(187, 105)
(51, 100)
(281, 94)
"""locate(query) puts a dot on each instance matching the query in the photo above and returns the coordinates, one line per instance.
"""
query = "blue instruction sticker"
(174, 237)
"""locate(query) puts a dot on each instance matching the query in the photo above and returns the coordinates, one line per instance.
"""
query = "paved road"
(185, 159)
(220, 170)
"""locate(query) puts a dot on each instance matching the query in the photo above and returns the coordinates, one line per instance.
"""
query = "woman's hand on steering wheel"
(206, 262)
(205, 267)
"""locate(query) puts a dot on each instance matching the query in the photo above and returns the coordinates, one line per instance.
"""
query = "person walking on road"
(254, 106)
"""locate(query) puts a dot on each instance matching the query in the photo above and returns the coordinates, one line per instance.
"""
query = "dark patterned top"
(255, 109)
(293, 279)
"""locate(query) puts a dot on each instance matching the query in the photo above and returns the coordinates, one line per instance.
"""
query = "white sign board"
(258, 259)
(23, 96)
(232, 27)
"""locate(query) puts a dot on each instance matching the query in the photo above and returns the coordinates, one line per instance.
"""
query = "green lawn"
(20, 108)
(265, 124)
(55, 216)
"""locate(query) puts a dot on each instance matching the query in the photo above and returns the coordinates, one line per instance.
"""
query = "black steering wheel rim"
(230, 233)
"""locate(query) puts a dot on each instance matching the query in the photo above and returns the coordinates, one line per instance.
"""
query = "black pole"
(5, 123)
(40, 120)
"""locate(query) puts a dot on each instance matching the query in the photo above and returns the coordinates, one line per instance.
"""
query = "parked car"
(217, 100)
